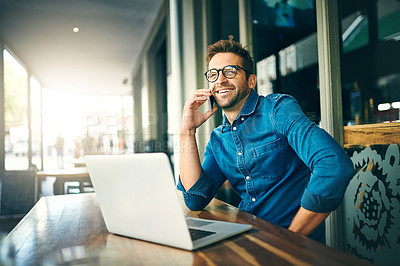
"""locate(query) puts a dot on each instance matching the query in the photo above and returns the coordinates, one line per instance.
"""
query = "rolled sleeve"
(317, 203)
(325, 192)
(331, 168)
(200, 194)
(211, 178)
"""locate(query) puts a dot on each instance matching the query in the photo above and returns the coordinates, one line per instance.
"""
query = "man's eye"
(212, 75)
(229, 71)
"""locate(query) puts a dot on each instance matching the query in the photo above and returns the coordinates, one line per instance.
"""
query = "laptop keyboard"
(197, 234)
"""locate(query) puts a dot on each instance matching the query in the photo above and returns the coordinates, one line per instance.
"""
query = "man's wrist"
(187, 132)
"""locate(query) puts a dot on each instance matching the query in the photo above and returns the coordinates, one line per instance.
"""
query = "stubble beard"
(236, 96)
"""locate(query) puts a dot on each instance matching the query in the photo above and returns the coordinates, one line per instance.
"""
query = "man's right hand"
(192, 118)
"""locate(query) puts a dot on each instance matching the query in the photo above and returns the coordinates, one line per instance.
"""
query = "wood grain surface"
(69, 229)
(383, 133)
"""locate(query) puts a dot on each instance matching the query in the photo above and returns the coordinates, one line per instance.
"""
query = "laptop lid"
(138, 199)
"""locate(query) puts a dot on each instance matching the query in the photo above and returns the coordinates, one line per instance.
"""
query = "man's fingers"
(200, 97)
(197, 100)
(208, 114)
(202, 92)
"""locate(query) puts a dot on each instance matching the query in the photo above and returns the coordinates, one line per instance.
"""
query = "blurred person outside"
(285, 168)
(59, 145)
(111, 144)
(121, 144)
(77, 147)
(99, 143)
(87, 144)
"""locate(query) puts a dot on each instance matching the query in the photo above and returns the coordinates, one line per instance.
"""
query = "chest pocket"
(271, 159)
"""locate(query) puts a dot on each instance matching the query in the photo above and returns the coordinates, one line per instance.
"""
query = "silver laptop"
(138, 199)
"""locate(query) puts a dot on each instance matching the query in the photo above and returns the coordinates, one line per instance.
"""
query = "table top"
(66, 172)
(70, 228)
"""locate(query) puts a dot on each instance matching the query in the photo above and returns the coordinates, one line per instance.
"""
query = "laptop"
(138, 199)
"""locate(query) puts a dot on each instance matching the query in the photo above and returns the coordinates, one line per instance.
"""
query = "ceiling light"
(396, 105)
(75, 29)
(384, 106)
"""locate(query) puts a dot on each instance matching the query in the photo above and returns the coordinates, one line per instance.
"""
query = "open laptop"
(138, 199)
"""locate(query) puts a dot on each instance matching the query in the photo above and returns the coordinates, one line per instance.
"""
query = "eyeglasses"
(229, 72)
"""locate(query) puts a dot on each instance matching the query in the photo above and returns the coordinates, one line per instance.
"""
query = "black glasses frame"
(236, 67)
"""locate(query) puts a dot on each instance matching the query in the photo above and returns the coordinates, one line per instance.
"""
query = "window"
(36, 112)
(370, 72)
(285, 51)
(16, 120)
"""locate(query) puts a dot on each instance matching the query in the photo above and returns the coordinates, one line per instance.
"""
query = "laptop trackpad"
(197, 223)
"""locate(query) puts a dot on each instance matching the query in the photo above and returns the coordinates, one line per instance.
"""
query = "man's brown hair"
(230, 46)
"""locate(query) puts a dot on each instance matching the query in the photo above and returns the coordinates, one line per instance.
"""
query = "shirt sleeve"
(331, 168)
(202, 192)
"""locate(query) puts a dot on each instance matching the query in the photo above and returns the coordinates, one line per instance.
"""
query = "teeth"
(223, 91)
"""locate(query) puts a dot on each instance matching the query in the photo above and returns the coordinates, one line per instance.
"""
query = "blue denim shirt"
(276, 159)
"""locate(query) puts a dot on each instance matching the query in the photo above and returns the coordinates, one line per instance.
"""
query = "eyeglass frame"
(222, 70)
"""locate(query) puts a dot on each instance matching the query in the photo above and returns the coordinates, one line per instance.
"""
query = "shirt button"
(247, 177)
(242, 119)
(234, 128)
(239, 153)
(253, 199)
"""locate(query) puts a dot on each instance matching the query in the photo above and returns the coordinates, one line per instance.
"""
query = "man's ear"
(252, 81)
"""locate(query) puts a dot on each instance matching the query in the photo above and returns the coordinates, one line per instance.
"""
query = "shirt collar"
(248, 108)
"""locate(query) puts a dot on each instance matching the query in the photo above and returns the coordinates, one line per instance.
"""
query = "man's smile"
(224, 90)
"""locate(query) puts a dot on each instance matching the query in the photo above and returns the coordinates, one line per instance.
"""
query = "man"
(285, 168)
(59, 145)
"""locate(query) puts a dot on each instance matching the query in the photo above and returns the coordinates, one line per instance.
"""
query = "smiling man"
(286, 169)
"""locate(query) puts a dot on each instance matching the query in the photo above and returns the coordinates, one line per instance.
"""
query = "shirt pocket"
(271, 159)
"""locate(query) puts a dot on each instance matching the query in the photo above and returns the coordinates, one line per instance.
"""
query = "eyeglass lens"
(228, 72)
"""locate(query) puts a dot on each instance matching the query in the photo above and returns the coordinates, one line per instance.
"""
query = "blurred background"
(111, 77)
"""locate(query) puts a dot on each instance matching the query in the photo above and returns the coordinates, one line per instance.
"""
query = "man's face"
(232, 93)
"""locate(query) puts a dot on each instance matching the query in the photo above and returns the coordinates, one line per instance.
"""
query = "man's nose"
(221, 79)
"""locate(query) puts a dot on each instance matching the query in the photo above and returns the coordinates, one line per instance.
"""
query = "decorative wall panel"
(372, 204)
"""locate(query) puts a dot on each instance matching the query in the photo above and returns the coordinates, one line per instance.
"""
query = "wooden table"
(79, 174)
(72, 227)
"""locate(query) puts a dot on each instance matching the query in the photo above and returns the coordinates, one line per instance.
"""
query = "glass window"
(126, 129)
(16, 122)
(389, 20)
(355, 31)
(36, 126)
(370, 71)
(285, 51)
(77, 124)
